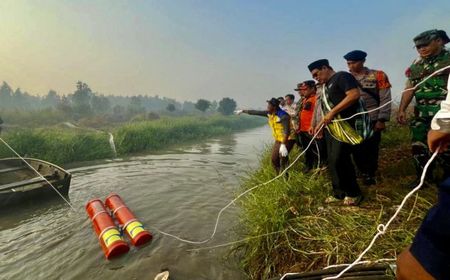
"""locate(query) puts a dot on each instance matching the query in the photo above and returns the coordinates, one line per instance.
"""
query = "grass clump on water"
(315, 235)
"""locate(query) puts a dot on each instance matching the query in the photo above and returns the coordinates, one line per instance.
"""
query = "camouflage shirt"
(433, 91)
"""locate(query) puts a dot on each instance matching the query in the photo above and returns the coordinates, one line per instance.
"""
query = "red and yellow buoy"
(134, 229)
(108, 234)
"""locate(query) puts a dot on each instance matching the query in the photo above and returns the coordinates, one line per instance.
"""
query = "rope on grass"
(382, 228)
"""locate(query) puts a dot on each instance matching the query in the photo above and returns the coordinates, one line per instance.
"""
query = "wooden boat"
(364, 272)
(18, 182)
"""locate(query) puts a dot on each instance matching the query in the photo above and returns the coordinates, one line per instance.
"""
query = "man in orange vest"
(315, 152)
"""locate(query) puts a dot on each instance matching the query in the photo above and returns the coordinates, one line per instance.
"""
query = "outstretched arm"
(252, 112)
(255, 112)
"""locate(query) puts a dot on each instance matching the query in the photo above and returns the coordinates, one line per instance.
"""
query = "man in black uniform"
(341, 94)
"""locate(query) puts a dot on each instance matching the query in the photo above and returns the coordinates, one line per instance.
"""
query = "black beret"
(355, 55)
(274, 101)
(318, 64)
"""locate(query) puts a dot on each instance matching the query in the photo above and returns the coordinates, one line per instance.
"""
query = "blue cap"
(355, 55)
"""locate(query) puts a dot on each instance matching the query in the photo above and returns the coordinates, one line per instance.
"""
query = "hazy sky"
(248, 49)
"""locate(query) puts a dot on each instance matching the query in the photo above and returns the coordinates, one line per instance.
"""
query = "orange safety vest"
(307, 112)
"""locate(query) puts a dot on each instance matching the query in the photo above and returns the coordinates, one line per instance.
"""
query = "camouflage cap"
(426, 37)
(443, 36)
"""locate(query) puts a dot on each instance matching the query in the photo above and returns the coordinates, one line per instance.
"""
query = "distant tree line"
(84, 103)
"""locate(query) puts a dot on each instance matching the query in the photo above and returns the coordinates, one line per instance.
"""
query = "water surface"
(179, 191)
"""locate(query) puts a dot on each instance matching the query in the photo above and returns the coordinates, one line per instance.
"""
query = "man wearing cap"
(340, 99)
(307, 89)
(429, 94)
(283, 133)
(290, 107)
(298, 108)
(375, 92)
(282, 101)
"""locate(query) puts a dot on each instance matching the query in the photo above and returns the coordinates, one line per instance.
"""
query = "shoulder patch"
(382, 80)
(408, 72)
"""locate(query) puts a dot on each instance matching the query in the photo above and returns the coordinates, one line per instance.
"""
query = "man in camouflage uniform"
(375, 92)
(429, 94)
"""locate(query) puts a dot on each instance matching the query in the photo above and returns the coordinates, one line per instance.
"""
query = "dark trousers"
(341, 169)
(278, 161)
(366, 154)
(316, 152)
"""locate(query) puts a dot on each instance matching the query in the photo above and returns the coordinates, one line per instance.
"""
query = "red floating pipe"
(134, 229)
(108, 235)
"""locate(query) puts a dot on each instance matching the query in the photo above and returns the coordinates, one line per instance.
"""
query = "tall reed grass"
(57, 145)
(61, 145)
(149, 136)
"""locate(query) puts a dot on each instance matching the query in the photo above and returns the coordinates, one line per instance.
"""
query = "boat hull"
(19, 184)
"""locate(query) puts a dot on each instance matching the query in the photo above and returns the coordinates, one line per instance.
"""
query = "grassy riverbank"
(315, 235)
(61, 144)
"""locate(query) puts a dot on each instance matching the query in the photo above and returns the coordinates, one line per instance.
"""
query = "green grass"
(150, 136)
(316, 235)
(57, 145)
(63, 145)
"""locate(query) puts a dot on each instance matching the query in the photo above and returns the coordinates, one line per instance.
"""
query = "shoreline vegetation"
(62, 144)
(315, 235)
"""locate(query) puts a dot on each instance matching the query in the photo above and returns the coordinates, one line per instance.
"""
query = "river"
(179, 190)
